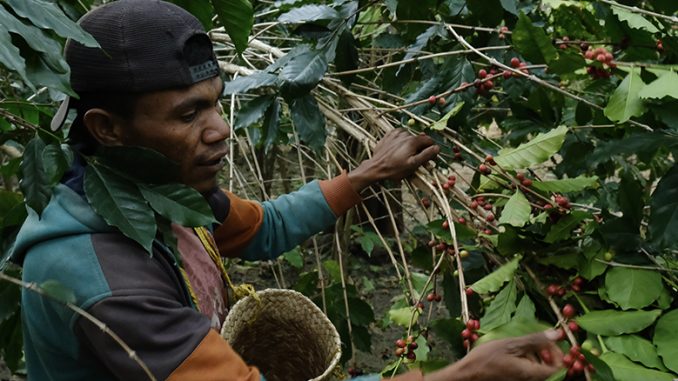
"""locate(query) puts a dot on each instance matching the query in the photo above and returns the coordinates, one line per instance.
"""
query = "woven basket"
(285, 335)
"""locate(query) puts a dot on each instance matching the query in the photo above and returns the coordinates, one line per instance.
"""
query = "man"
(155, 84)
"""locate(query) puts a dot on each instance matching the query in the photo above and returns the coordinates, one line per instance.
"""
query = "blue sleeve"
(289, 220)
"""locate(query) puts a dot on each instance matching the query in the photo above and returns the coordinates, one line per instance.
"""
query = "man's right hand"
(516, 359)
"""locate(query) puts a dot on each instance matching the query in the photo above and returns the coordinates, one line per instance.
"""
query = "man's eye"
(189, 117)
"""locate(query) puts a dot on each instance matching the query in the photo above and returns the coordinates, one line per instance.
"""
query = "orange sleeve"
(242, 223)
(214, 360)
(339, 194)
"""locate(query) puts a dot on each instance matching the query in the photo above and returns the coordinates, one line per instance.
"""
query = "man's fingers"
(536, 341)
(425, 155)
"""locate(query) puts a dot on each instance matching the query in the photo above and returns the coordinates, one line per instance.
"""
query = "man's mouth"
(218, 159)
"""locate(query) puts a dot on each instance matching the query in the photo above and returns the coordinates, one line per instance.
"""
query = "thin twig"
(98, 323)
(534, 78)
(634, 9)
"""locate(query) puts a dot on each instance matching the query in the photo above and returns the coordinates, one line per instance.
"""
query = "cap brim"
(60, 116)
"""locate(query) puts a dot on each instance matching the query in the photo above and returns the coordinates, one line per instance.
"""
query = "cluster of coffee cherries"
(457, 153)
(440, 101)
(480, 202)
(469, 334)
(434, 297)
(562, 201)
(448, 184)
(604, 57)
(482, 83)
(405, 347)
(516, 63)
(524, 181)
(558, 290)
(484, 166)
(502, 32)
(576, 362)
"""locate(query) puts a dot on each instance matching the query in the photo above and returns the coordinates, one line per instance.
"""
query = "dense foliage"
(554, 201)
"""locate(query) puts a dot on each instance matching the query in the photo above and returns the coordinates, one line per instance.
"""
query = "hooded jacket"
(144, 298)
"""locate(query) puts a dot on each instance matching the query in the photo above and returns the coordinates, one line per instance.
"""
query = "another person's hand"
(528, 358)
(396, 156)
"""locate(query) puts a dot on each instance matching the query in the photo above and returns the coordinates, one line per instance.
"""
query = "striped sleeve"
(263, 231)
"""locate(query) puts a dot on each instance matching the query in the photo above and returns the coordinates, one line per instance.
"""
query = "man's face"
(185, 125)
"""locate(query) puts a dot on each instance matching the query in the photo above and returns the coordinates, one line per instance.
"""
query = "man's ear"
(103, 126)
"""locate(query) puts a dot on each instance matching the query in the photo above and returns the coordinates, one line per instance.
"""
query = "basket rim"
(300, 298)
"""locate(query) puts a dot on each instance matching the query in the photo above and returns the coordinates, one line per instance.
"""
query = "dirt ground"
(381, 273)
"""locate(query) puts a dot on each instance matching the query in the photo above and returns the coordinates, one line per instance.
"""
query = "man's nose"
(217, 129)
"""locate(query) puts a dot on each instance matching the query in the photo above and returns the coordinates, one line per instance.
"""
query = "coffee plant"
(553, 203)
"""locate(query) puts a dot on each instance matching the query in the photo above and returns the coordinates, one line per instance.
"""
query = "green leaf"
(625, 102)
(37, 39)
(536, 151)
(347, 56)
(666, 339)
(509, 6)
(526, 309)
(309, 121)
(514, 328)
(121, 204)
(55, 162)
(302, 73)
(270, 124)
(577, 184)
(558, 376)
(179, 203)
(603, 371)
(441, 123)
(403, 316)
(420, 43)
(35, 182)
(242, 85)
(366, 244)
(201, 9)
(252, 111)
(294, 258)
(139, 163)
(564, 261)
(633, 288)
(10, 56)
(517, 210)
(567, 63)
(361, 312)
(562, 230)
(58, 291)
(532, 42)
(493, 281)
(332, 268)
(237, 17)
(626, 370)
(663, 223)
(47, 15)
(635, 20)
(665, 85)
(168, 238)
(637, 349)
(589, 266)
(500, 309)
(613, 322)
(307, 13)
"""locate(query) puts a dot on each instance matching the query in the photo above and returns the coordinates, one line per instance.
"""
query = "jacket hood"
(67, 213)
